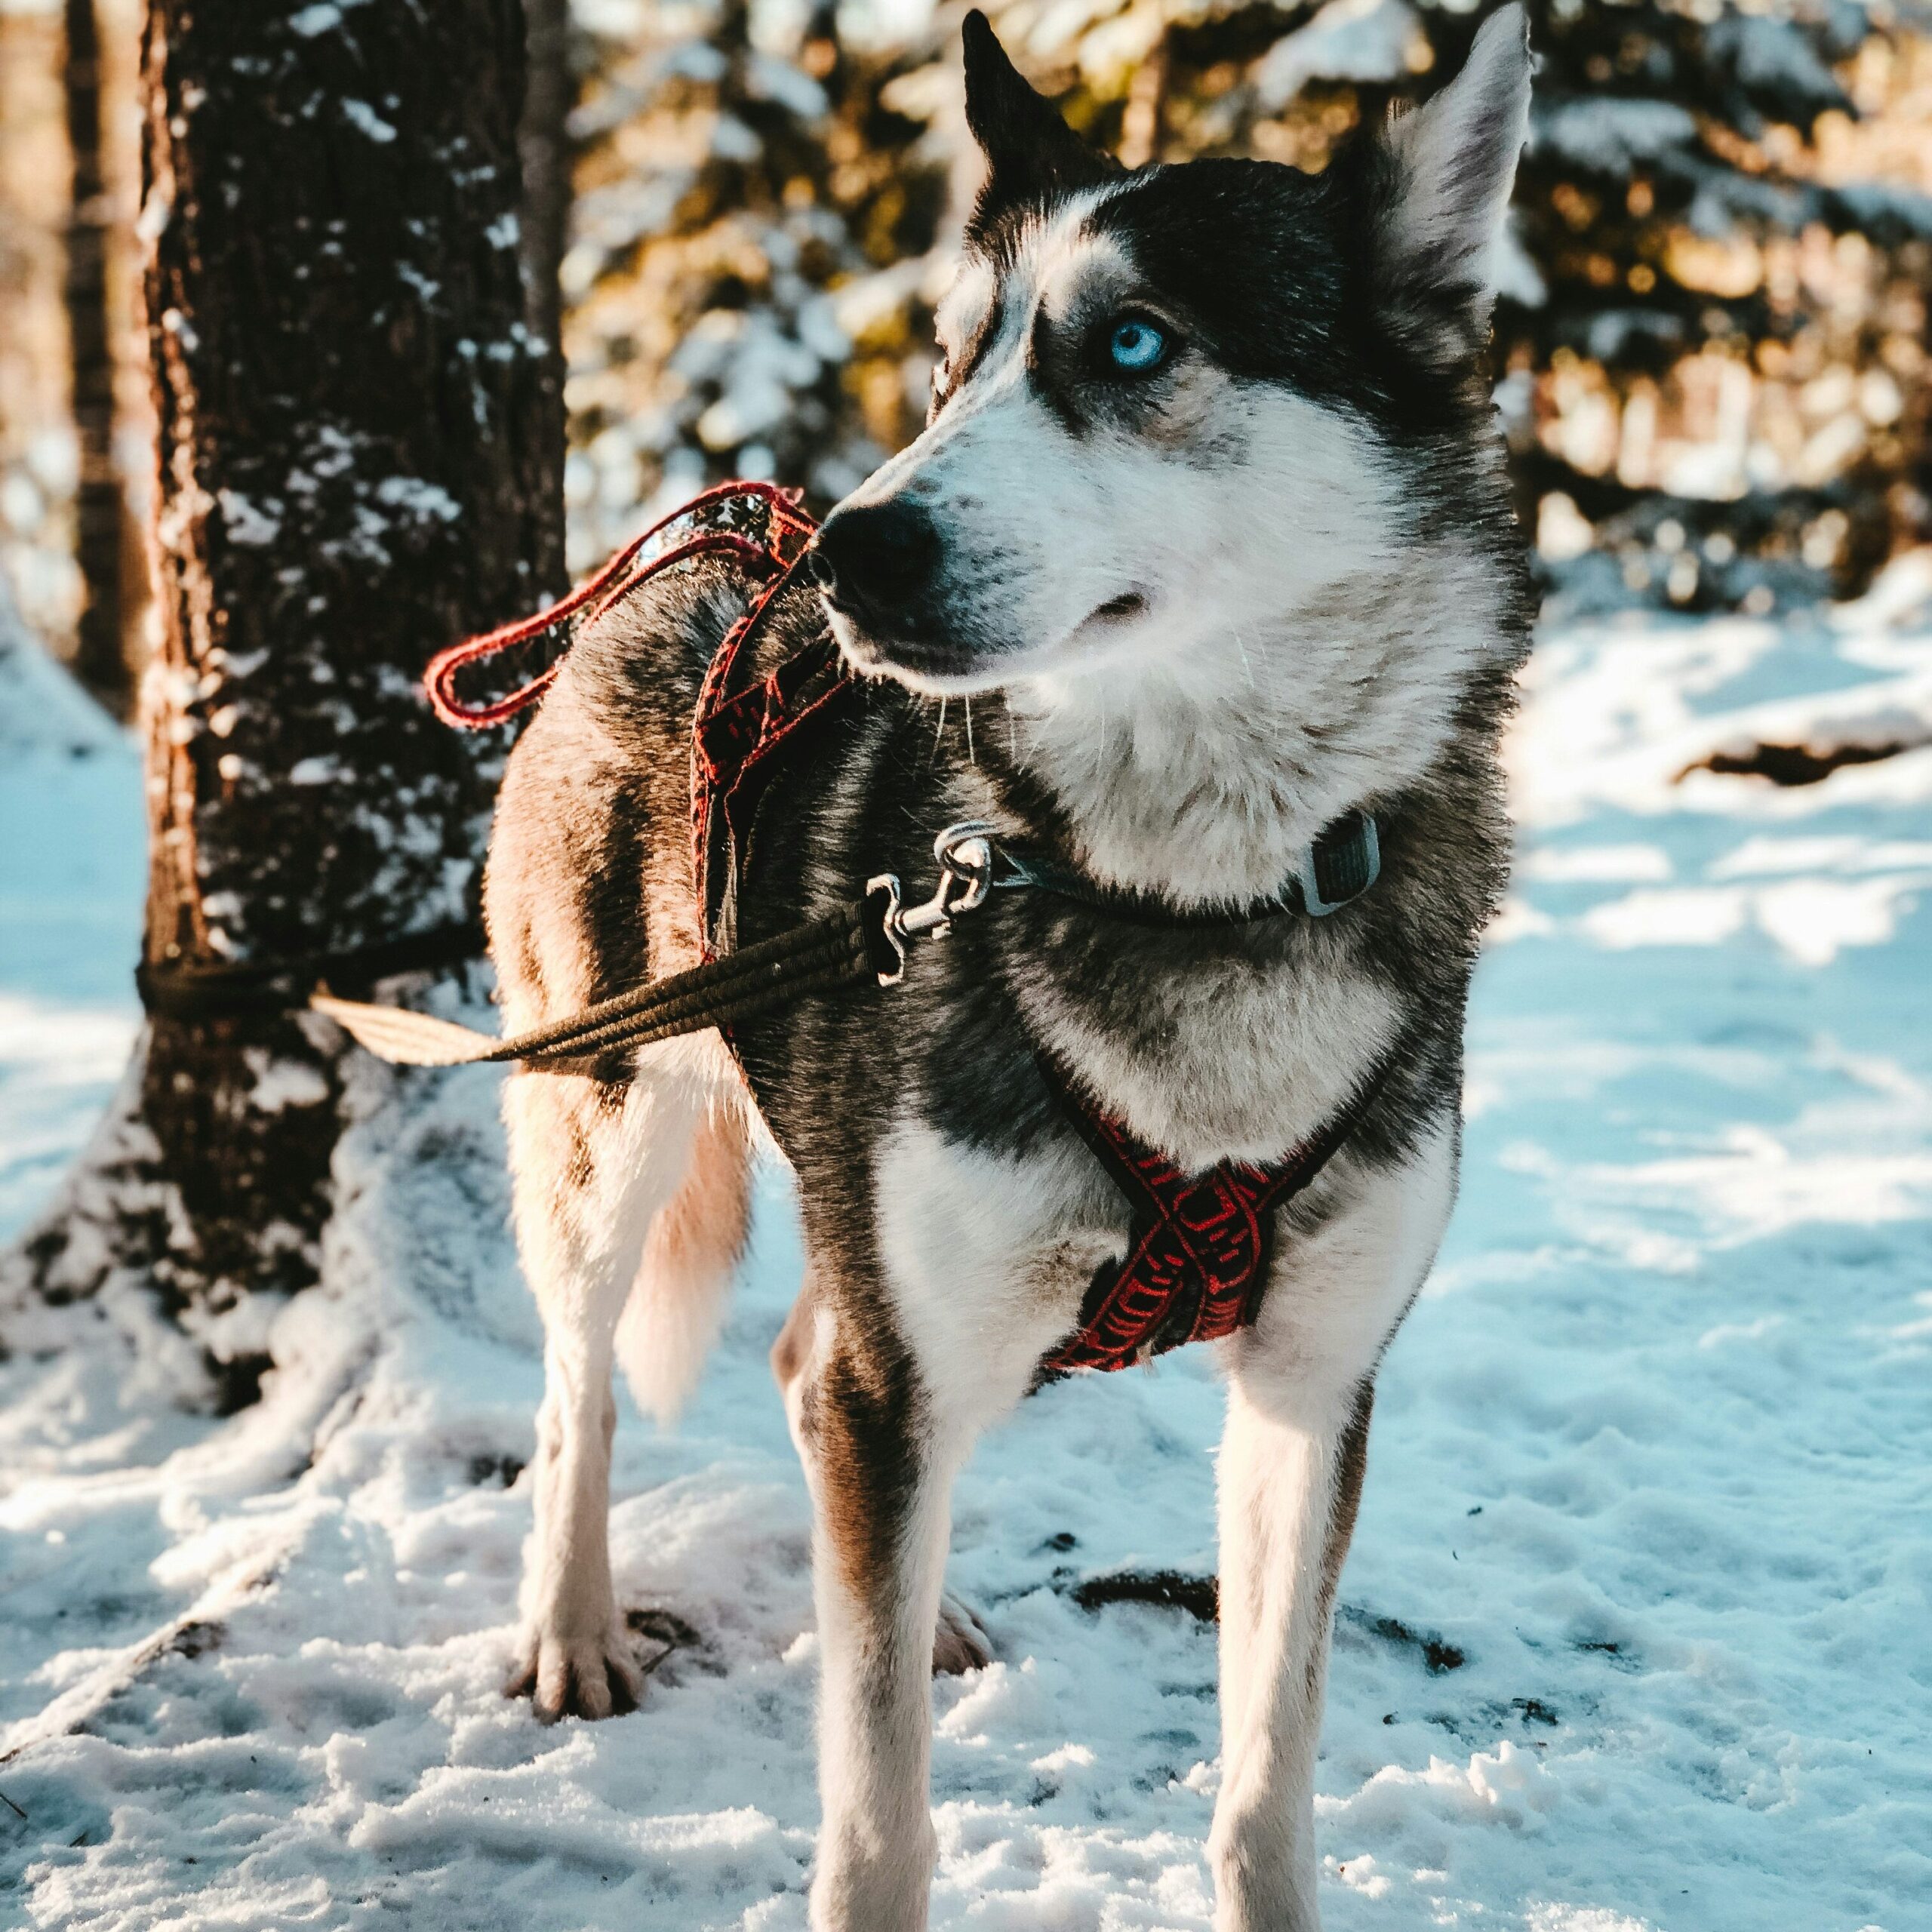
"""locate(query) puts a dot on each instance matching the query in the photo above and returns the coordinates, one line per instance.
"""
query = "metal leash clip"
(965, 855)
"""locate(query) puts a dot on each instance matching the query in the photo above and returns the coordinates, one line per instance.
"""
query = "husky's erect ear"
(1444, 175)
(1031, 152)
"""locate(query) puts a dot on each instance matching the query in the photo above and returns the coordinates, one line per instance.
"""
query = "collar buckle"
(1343, 861)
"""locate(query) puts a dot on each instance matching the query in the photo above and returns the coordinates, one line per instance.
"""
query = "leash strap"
(863, 942)
(845, 947)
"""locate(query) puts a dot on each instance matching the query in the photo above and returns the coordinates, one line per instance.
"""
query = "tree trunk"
(543, 141)
(359, 456)
(543, 148)
(99, 660)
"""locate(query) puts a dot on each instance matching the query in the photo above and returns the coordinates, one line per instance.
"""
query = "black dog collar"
(1342, 862)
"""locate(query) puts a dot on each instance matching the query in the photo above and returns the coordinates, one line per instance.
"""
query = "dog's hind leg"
(594, 1165)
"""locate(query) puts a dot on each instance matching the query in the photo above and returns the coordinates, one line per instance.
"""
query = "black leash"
(864, 940)
(843, 949)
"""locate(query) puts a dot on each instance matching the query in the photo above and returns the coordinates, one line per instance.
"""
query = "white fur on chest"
(987, 1257)
(1247, 1064)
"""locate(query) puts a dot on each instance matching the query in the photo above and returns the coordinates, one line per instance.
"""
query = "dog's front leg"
(880, 1492)
(1290, 1477)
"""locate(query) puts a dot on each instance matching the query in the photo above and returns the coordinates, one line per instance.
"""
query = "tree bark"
(99, 662)
(543, 143)
(359, 457)
(543, 149)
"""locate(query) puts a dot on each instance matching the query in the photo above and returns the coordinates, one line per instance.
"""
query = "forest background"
(1710, 354)
(1633, 1637)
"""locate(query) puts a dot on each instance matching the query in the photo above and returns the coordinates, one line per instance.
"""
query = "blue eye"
(1137, 347)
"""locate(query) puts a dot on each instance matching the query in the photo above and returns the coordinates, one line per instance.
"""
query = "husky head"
(1212, 434)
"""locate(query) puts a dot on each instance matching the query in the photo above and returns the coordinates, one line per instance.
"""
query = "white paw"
(574, 1676)
(961, 1643)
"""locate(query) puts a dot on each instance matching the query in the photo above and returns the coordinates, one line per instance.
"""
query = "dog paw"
(961, 1643)
(576, 1677)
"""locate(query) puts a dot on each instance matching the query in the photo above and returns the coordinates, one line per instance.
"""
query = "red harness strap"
(1197, 1261)
(738, 732)
(1197, 1258)
(763, 554)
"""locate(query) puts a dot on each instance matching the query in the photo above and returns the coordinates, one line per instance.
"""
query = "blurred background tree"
(100, 662)
(75, 431)
(1710, 354)
(1711, 357)
(1725, 396)
(749, 273)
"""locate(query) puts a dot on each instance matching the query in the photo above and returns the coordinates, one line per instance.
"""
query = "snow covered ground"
(1635, 1633)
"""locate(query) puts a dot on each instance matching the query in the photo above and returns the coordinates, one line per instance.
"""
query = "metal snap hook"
(965, 855)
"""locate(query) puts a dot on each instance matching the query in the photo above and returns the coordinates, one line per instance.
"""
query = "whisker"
(1244, 664)
(970, 758)
(939, 731)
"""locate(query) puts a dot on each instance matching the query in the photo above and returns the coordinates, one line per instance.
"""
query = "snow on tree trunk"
(359, 454)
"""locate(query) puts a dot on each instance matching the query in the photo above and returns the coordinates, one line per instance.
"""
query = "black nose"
(877, 559)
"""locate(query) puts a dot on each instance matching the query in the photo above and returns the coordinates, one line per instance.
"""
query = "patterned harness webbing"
(1197, 1261)
(1197, 1258)
(737, 733)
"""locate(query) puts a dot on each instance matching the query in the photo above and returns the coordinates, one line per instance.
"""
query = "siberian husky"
(1206, 544)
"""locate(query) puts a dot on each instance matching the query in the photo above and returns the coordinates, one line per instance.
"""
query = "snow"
(424, 501)
(1609, 134)
(70, 895)
(1348, 40)
(245, 521)
(311, 21)
(365, 120)
(1634, 1637)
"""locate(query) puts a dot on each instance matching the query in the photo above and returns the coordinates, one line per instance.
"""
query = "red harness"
(1197, 1258)
(1197, 1252)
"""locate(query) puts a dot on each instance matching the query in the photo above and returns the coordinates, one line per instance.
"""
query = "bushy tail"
(678, 1300)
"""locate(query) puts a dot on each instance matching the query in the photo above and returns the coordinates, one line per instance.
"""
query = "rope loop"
(787, 524)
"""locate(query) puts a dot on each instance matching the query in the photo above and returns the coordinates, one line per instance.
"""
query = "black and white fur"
(1166, 625)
